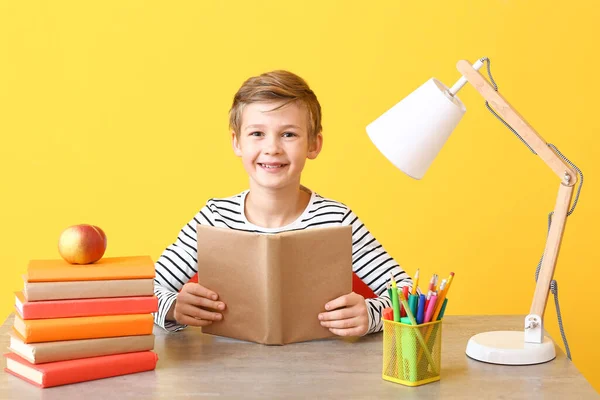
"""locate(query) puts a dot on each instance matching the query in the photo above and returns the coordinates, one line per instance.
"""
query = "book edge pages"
(25, 371)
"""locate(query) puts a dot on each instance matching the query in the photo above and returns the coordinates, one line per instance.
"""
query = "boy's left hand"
(346, 316)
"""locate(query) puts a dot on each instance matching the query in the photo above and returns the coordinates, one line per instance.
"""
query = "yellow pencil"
(416, 284)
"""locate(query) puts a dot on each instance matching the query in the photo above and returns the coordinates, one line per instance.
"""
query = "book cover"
(36, 291)
(109, 268)
(84, 307)
(39, 353)
(80, 370)
(274, 285)
(49, 330)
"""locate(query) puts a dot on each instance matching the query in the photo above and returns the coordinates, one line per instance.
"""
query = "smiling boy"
(275, 123)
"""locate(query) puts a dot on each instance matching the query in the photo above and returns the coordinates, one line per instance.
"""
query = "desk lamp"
(412, 133)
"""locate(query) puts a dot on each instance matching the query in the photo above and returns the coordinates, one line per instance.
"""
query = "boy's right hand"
(194, 304)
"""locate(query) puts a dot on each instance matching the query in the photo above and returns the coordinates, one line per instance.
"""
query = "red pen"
(432, 283)
(405, 292)
(388, 313)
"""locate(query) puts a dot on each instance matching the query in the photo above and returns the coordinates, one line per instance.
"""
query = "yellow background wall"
(115, 114)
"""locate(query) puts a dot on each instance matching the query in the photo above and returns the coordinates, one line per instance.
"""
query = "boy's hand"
(193, 304)
(346, 316)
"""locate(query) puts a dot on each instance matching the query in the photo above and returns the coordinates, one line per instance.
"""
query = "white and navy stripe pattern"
(371, 263)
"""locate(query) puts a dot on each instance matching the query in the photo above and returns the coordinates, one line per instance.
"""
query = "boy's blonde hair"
(277, 85)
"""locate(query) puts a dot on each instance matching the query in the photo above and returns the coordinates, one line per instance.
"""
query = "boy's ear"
(315, 147)
(235, 143)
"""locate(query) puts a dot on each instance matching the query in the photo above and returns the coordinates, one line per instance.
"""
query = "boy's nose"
(272, 146)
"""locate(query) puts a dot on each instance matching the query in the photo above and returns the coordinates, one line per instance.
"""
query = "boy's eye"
(256, 134)
(289, 134)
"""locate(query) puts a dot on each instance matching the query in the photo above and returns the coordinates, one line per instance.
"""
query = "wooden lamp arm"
(514, 119)
(568, 177)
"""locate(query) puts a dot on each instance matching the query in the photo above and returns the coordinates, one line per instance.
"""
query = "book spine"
(276, 296)
(88, 307)
(36, 291)
(88, 369)
(75, 349)
(107, 268)
(49, 330)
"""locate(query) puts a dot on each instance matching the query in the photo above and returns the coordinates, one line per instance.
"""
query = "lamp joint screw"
(532, 323)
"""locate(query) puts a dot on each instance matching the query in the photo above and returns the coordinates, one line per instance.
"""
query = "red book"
(84, 307)
(80, 370)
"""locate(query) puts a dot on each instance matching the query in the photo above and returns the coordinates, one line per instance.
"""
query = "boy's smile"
(273, 167)
(274, 144)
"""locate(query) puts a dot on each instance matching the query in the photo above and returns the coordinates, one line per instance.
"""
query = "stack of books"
(76, 323)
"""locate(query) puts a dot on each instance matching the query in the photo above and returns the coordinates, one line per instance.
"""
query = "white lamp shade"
(411, 133)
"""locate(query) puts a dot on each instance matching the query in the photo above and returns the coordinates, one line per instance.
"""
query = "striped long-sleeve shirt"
(370, 262)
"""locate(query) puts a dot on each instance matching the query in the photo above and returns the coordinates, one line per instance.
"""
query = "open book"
(274, 285)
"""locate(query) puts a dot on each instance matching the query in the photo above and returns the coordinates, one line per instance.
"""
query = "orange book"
(80, 370)
(115, 268)
(55, 329)
(45, 309)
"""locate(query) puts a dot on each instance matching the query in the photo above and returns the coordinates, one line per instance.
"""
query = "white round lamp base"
(509, 348)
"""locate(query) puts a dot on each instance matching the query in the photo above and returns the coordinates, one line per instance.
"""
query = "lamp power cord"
(553, 283)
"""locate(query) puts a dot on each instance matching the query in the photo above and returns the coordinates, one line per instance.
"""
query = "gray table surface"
(194, 365)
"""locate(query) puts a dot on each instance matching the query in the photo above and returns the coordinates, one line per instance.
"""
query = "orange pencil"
(449, 282)
(442, 296)
(440, 300)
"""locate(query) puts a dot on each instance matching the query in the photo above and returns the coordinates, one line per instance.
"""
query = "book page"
(316, 267)
(232, 264)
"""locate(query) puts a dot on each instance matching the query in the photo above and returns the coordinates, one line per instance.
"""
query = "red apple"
(82, 244)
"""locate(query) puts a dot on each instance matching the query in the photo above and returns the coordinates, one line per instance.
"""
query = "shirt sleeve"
(177, 264)
(373, 265)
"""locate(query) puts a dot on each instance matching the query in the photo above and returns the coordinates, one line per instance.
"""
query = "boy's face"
(274, 145)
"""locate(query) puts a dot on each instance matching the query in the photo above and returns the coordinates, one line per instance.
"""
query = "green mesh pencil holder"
(412, 354)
